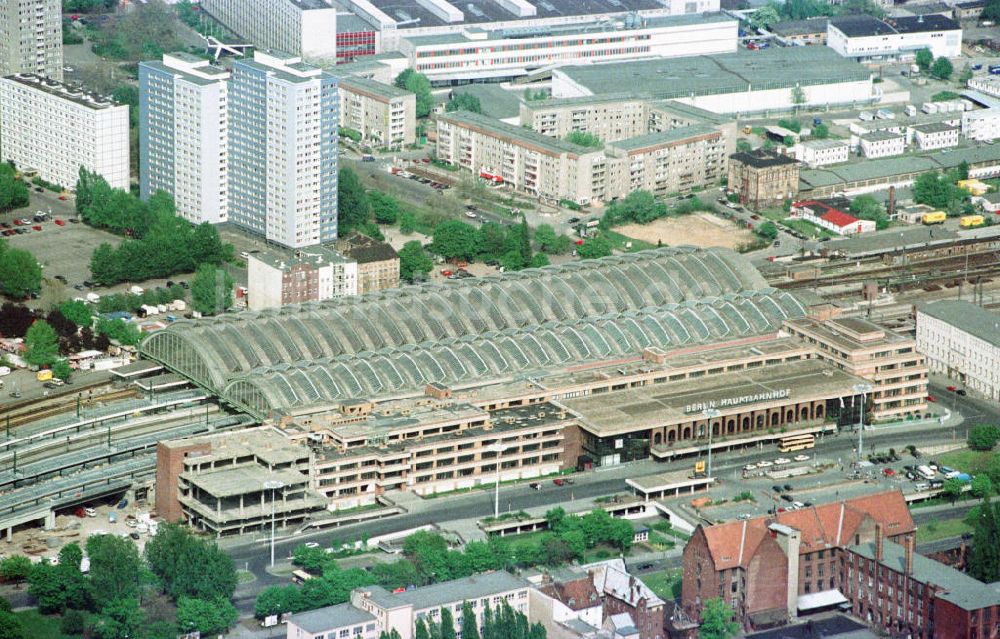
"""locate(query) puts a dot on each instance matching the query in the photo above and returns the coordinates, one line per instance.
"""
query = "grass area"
(658, 541)
(665, 528)
(244, 576)
(966, 460)
(39, 626)
(666, 583)
(941, 529)
(775, 215)
(807, 229)
(618, 241)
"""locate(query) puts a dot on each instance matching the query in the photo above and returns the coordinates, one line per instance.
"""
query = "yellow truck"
(935, 217)
(968, 221)
(44, 375)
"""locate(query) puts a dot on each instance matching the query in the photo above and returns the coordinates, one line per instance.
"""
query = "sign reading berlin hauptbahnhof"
(738, 401)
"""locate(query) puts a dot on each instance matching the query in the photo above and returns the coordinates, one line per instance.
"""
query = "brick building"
(378, 262)
(909, 595)
(748, 563)
(762, 178)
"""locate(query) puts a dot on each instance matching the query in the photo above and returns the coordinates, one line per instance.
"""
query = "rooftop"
(934, 127)
(857, 26)
(660, 78)
(330, 618)
(70, 93)
(496, 101)
(966, 316)
(243, 480)
(880, 136)
(959, 588)
(486, 11)
(652, 406)
(364, 250)
(513, 133)
(824, 144)
(669, 137)
(449, 592)
(761, 159)
(284, 259)
(868, 243)
(358, 84)
(800, 27)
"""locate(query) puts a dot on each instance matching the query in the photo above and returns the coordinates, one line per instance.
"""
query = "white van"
(925, 472)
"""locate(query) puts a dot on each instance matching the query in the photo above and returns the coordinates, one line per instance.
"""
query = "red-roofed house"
(830, 218)
(747, 563)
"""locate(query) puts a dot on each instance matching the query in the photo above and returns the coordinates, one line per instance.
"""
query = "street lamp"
(273, 485)
(861, 389)
(497, 448)
(710, 414)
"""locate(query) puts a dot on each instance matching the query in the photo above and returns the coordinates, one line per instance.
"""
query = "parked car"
(801, 458)
(776, 488)
(558, 482)
(535, 485)
(961, 391)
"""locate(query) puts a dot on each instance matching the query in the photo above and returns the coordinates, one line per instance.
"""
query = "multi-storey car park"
(442, 386)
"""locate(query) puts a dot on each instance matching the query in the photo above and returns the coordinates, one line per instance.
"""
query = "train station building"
(439, 387)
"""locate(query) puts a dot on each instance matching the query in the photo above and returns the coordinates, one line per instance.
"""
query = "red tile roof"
(839, 218)
(734, 543)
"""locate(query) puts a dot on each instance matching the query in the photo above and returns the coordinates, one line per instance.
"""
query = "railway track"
(43, 407)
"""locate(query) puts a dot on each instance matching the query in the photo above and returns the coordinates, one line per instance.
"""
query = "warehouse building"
(55, 128)
(741, 82)
(383, 114)
(865, 38)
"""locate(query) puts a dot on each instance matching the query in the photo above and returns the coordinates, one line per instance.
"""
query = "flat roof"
(760, 159)
(800, 27)
(497, 128)
(310, 255)
(859, 26)
(934, 127)
(636, 409)
(881, 241)
(448, 592)
(824, 144)
(879, 136)
(486, 11)
(70, 93)
(242, 480)
(496, 101)
(663, 78)
(667, 481)
(360, 84)
(136, 369)
(331, 617)
(663, 138)
(966, 316)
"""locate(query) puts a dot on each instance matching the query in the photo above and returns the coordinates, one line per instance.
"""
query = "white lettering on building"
(738, 401)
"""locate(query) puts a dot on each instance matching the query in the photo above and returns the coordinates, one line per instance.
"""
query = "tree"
(984, 557)
(15, 568)
(798, 96)
(276, 600)
(981, 486)
(866, 207)
(419, 84)
(447, 623)
(743, 146)
(421, 632)
(454, 239)
(470, 624)
(413, 260)
(119, 330)
(640, 207)
(767, 230)
(384, 206)
(119, 619)
(942, 69)
(45, 584)
(764, 17)
(210, 616)
(924, 59)
(594, 247)
(13, 192)
(211, 290)
(991, 11)
(353, 208)
(398, 574)
(983, 437)
(77, 312)
(10, 627)
(464, 102)
(20, 273)
(115, 569)
(821, 131)
(717, 620)
(189, 566)
(392, 634)
(936, 190)
(61, 369)
(546, 238)
(42, 344)
(952, 489)
(583, 138)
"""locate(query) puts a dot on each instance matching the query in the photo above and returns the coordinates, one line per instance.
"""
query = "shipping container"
(968, 221)
(937, 217)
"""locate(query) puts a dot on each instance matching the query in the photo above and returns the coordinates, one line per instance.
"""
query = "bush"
(570, 204)
(350, 134)
(983, 437)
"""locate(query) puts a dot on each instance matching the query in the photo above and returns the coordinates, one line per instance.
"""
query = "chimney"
(908, 546)
(878, 542)
(892, 201)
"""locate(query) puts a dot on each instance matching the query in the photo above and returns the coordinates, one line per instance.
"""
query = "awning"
(823, 599)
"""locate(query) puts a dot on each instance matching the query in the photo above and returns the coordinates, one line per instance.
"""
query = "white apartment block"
(507, 53)
(961, 341)
(822, 152)
(935, 135)
(310, 274)
(988, 84)
(882, 144)
(668, 161)
(183, 135)
(982, 125)
(384, 114)
(55, 129)
(548, 168)
(865, 38)
(374, 609)
(305, 28)
(610, 118)
(283, 117)
(31, 38)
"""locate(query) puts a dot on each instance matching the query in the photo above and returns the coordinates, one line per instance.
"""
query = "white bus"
(925, 472)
